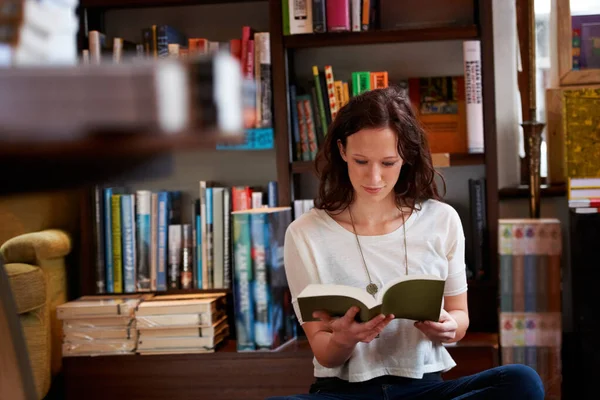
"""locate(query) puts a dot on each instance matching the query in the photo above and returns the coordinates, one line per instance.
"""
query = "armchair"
(35, 265)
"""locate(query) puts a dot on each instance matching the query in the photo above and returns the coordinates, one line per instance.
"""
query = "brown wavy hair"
(374, 109)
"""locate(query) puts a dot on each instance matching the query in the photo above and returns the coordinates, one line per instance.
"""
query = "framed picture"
(574, 44)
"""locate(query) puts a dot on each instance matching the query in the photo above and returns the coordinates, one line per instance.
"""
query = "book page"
(403, 278)
(336, 300)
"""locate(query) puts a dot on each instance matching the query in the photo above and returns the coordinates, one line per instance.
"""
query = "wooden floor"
(227, 374)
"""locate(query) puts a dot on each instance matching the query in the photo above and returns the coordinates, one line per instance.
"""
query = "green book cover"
(414, 297)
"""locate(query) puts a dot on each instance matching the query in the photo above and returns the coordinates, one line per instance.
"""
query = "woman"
(378, 215)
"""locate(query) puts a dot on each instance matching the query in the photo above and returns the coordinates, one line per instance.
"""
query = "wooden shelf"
(38, 164)
(154, 3)
(374, 37)
(522, 191)
(111, 144)
(440, 160)
(227, 374)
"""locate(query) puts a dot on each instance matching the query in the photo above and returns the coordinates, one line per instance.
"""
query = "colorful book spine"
(128, 241)
(163, 226)
(143, 202)
(333, 104)
(320, 103)
(117, 256)
(530, 310)
(338, 15)
(243, 282)
(259, 272)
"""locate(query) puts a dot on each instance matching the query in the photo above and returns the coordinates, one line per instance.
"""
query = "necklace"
(371, 287)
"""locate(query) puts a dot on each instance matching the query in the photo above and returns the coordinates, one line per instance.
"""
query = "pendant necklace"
(372, 287)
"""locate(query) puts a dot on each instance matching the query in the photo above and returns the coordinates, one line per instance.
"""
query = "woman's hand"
(346, 332)
(442, 331)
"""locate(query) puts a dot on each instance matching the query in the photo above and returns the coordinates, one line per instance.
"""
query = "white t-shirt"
(319, 250)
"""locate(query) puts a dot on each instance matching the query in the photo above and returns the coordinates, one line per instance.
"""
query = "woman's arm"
(333, 340)
(453, 322)
(457, 307)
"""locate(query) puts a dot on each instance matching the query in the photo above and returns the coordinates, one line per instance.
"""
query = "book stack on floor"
(99, 325)
(187, 323)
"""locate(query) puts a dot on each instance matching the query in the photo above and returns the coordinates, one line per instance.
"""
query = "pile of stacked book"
(187, 323)
(99, 325)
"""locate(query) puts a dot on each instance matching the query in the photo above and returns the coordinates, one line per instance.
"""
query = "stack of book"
(38, 32)
(187, 323)
(99, 325)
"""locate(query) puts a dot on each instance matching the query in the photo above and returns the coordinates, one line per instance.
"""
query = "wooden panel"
(490, 140)
(374, 37)
(280, 102)
(227, 374)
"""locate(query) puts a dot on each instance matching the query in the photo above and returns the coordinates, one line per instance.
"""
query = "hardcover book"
(415, 297)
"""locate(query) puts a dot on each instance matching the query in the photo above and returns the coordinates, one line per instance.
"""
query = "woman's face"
(373, 162)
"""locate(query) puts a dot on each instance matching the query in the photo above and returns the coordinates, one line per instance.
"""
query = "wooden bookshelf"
(42, 163)
(375, 37)
(522, 191)
(227, 374)
(283, 50)
(440, 160)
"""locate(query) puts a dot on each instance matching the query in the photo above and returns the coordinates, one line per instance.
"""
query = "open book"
(415, 297)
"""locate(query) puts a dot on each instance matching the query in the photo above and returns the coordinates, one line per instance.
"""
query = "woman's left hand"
(442, 331)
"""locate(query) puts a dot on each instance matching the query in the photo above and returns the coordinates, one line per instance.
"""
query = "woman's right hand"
(347, 332)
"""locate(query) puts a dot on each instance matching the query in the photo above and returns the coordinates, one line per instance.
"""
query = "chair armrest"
(31, 248)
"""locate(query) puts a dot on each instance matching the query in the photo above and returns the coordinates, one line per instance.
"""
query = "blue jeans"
(508, 382)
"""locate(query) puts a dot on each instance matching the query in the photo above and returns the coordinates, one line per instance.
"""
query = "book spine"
(259, 271)
(153, 250)
(227, 238)
(320, 15)
(285, 15)
(199, 271)
(209, 237)
(320, 102)
(272, 194)
(338, 15)
(297, 154)
(203, 238)
(143, 233)
(300, 12)
(243, 293)
(356, 10)
(310, 127)
(108, 251)
(266, 92)
(473, 95)
(187, 257)
(174, 251)
(99, 240)
(303, 128)
(366, 14)
(333, 105)
(163, 222)
(116, 244)
(282, 323)
(128, 241)
(218, 238)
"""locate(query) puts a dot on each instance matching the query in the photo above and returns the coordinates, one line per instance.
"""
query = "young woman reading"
(378, 215)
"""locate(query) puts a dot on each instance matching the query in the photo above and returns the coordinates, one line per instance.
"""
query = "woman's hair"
(378, 108)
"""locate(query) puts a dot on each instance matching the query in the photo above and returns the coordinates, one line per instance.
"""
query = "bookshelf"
(287, 50)
(227, 373)
(377, 37)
